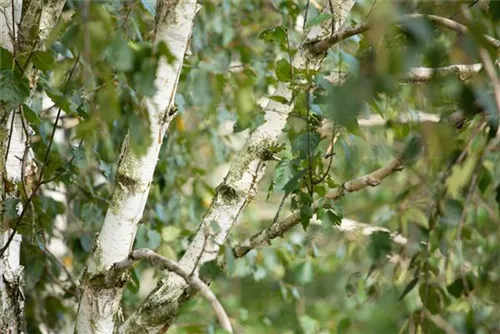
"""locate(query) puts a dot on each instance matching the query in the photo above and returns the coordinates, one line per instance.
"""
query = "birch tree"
(277, 166)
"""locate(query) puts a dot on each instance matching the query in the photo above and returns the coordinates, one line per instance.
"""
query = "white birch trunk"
(16, 157)
(99, 304)
(11, 297)
(237, 189)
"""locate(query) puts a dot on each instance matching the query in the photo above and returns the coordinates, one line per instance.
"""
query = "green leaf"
(431, 298)
(144, 80)
(31, 115)
(170, 233)
(135, 282)
(293, 184)
(304, 273)
(279, 99)
(305, 143)
(109, 108)
(380, 245)
(154, 239)
(285, 171)
(14, 89)
(343, 326)
(230, 260)
(163, 50)
(277, 34)
(10, 207)
(43, 60)
(121, 54)
(319, 19)
(57, 97)
(6, 60)
(458, 289)
(332, 218)
(410, 286)
(283, 70)
(79, 160)
(494, 10)
(210, 269)
(412, 149)
(140, 137)
(306, 214)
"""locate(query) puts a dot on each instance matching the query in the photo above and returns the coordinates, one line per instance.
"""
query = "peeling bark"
(16, 157)
(12, 141)
(99, 303)
(237, 189)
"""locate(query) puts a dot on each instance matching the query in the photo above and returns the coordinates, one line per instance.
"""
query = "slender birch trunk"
(11, 299)
(16, 158)
(99, 303)
(237, 189)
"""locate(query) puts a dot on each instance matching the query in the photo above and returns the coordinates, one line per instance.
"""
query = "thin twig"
(40, 177)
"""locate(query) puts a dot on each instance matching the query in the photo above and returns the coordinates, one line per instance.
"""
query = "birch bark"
(99, 303)
(238, 188)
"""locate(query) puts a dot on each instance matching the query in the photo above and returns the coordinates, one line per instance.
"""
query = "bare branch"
(418, 75)
(279, 228)
(453, 25)
(165, 264)
(324, 44)
(425, 74)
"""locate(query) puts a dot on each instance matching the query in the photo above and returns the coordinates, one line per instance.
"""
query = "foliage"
(316, 279)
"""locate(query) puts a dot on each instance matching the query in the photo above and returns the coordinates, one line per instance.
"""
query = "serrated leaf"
(283, 70)
(284, 172)
(293, 184)
(43, 60)
(14, 89)
(305, 143)
(6, 60)
(79, 160)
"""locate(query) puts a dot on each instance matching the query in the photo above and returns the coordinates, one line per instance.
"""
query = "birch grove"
(354, 144)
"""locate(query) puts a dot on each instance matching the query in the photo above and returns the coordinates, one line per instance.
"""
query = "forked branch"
(278, 229)
(165, 264)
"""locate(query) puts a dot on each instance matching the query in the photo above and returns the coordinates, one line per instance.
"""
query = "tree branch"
(419, 75)
(165, 264)
(323, 44)
(453, 25)
(237, 189)
(278, 229)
